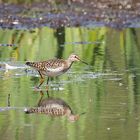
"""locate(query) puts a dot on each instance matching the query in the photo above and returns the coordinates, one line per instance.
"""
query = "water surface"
(106, 91)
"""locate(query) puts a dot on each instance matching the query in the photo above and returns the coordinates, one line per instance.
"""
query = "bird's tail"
(26, 111)
(41, 110)
(30, 110)
(32, 64)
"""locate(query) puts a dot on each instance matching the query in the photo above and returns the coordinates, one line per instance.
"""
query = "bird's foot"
(37, 88)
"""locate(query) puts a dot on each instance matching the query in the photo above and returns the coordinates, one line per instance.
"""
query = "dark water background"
(107, 90)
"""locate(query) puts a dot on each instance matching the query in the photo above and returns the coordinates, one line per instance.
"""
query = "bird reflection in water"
(54, 107)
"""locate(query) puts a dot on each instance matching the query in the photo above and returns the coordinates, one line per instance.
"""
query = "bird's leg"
(48, 93)
(42, 94)
(47, 83)
(47, 80)
(41, 80)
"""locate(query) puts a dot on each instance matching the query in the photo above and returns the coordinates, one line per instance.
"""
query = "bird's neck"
(69, 63)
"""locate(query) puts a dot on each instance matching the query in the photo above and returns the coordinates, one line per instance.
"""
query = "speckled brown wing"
(54, 63)
(52, 67)
(53, 107)
(50, 101)
(44, 65)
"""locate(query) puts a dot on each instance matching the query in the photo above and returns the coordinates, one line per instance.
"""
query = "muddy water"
(68, 13)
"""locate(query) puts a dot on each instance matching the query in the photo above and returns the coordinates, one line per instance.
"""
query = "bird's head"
(74, 57)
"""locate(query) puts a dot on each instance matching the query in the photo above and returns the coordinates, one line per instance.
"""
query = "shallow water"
(107, 90)
(105, 93)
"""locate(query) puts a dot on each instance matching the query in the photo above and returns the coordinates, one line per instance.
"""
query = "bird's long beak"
(83, 113)
(83, 62)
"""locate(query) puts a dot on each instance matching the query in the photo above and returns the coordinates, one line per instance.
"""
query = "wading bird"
(53, 67)
(53, 107)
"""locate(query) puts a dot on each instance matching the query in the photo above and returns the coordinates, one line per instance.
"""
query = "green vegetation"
(108, 90)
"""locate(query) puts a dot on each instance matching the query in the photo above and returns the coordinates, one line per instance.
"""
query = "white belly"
(55, 72)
